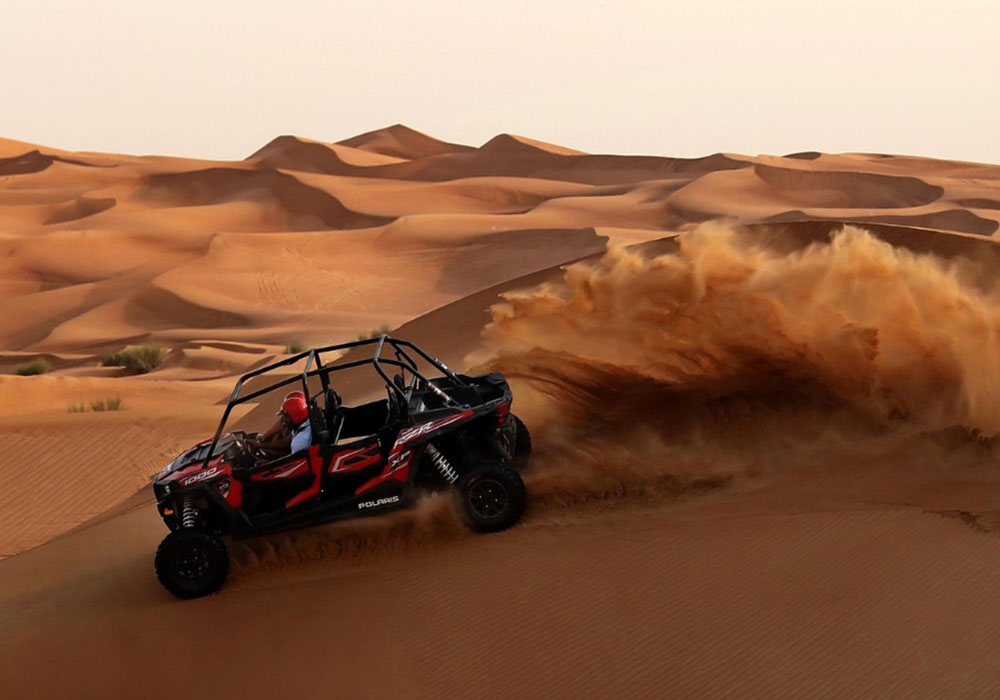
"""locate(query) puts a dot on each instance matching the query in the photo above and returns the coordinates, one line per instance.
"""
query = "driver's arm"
(277, 444)
(271, 432)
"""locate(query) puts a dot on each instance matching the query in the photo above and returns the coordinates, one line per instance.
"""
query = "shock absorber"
(442, 464)
(189, 514)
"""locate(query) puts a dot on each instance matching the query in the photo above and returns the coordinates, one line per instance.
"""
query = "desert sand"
(764, 390)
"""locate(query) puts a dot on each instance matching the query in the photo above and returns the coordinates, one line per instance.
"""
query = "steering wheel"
(239, 451)
(246, 455)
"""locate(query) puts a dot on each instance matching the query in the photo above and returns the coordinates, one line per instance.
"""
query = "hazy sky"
(219, 78)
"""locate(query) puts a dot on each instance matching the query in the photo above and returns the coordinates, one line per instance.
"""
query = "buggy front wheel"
(191, 563)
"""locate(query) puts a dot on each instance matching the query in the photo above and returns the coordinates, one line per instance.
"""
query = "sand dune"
(593, 602)
(510, 157)
(118, 458)
(508, 144)
(765, 448)
(182, 219)
(398, 141)
(32, 162)
(954, 220)
(292, 153)
(305, 208)
(64, 468)
(861, 190)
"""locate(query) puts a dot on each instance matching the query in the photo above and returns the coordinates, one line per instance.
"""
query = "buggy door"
(353, 464)
(366, 435)
(281, 483)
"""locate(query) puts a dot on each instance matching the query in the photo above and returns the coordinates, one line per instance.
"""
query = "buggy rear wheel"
(490, 498)
(191, 563)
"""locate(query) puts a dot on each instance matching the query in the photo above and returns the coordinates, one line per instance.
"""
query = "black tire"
(522, 444)
(192, 563)
(490, 497)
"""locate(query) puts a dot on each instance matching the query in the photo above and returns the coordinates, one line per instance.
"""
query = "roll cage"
(315, 367)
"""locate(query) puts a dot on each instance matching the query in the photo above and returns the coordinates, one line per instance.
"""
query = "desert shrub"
(111, 404)
(139, 358)
(77, 408)
(36, 366)
(375, 332)
(294, 347)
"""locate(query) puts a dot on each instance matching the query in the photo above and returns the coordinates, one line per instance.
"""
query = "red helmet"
(295, 407)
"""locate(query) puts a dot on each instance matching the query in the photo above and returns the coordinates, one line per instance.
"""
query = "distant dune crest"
(400, 141)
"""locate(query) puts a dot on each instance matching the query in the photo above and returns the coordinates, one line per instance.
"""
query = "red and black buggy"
(430, 433)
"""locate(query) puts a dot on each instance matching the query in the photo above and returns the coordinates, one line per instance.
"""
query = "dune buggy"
(430, 433)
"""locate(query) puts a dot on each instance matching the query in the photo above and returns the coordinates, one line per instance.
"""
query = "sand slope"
(763, 536)
(788, 589)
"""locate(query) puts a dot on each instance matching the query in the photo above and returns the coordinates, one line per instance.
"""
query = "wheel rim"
(193, 563)
(488, 498)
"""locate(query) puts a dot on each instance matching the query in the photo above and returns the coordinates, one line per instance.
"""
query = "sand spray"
(734, 356)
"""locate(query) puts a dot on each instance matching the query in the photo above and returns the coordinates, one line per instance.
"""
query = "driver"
(291, 432)
(278, 428)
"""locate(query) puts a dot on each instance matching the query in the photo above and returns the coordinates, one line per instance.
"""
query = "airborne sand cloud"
(898, 334)
(734, 353)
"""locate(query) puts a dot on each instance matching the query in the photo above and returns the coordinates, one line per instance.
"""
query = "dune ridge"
(400, 141)
(294, 153)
